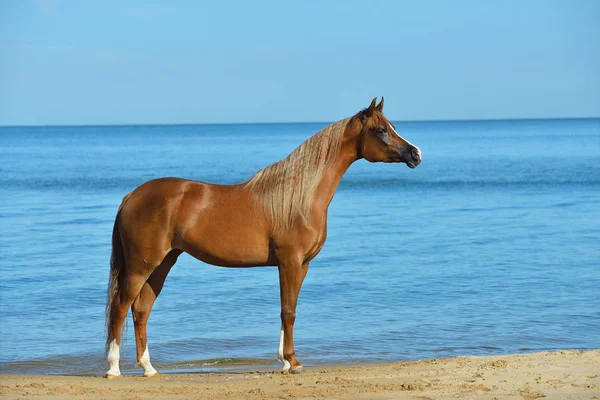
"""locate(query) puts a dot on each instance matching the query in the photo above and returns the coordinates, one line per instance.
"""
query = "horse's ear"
(380, 105)
(371, 108)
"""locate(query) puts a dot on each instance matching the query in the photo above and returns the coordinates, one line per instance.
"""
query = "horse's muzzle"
(413, 157)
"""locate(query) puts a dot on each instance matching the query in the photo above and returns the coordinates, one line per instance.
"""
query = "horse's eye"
(382, 134)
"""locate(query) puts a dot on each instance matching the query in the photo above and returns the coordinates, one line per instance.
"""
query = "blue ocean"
(490, 246)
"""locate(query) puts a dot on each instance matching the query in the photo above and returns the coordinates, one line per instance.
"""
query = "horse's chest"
(319, 236)
(316, 249)
(304, 239)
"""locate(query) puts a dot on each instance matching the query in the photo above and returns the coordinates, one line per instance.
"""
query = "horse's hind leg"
(120, 305)
(142, 305)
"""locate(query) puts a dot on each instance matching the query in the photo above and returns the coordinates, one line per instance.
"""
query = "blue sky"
(113, 62)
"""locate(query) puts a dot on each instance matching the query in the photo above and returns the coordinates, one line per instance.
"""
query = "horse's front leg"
(291, 276)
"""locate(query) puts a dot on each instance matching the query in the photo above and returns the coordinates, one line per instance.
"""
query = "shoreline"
(556, 375)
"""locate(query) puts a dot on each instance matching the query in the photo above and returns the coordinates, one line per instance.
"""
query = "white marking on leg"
(144, 362)
(113, 359)
(286, 363)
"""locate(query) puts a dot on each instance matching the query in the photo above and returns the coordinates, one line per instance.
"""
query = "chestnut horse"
(277, 218)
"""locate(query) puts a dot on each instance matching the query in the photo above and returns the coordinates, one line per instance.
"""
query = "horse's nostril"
(416, 154)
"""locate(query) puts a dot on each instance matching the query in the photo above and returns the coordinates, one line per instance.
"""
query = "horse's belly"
(228, 250)
(227, 243)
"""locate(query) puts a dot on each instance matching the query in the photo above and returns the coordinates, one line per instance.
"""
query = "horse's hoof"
(296, 370)
(151, 374)
(111, 376)
(286, 366)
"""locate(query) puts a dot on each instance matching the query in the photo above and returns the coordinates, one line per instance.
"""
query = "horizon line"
(294, 122)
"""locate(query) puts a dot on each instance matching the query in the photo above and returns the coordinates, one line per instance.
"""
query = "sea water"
(490, 246)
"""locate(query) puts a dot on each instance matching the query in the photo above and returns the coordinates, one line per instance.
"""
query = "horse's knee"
(140, 316)
(288, 314)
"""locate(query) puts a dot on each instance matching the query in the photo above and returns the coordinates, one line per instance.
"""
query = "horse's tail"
(116, 277)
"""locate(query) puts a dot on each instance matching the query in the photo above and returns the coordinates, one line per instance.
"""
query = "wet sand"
(567, 374)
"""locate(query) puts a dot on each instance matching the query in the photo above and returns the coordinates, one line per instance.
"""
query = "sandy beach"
(567, 374)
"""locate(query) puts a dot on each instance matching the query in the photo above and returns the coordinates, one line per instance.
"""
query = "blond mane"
(286, 188)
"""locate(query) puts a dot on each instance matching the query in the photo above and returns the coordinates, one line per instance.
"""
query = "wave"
(94, 365)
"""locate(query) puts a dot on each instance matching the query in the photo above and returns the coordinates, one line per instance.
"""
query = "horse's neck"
(333, 175)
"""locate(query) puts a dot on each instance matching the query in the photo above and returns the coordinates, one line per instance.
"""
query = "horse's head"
(379, 141)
